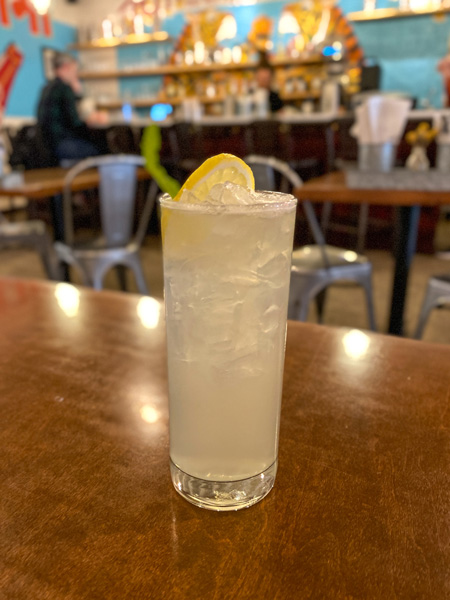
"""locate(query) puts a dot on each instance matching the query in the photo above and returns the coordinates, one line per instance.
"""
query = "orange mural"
(260, 33)
(202, 26)
(342, 28)
(10, 63)
(23, 9)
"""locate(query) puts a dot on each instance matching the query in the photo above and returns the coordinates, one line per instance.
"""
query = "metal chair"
(436, 296)
(360, 229)
(314, 267)
(31, 234)
(116, 246)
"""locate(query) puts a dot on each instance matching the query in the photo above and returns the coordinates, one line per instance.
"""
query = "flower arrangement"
(419, 140)
(422, 136)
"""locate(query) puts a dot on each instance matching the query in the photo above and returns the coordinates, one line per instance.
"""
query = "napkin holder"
(443, 157)
(377, 158)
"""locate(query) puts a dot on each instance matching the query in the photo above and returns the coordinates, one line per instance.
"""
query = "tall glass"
(226, 279)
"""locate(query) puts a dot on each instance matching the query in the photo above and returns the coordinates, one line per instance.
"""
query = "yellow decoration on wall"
(201, 27)
(313, 18)
(260, 33)
(322, 21)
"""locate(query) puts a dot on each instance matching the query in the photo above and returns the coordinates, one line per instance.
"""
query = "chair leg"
(303, 309)
(48, 257)
(96, 270)
(298, 310)
(292, 310)
(90, 275)
(362, 228)
(429, 302)
(320, 304)
(301, 293)
(326, 214)
(135, 265)
(65, 258)
(97, 279)
(367, 285)
(83, 273)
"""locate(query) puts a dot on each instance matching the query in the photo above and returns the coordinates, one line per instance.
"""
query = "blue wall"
(30, 78)
(407, 50)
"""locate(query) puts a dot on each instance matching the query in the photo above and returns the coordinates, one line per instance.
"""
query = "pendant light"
(41, 6)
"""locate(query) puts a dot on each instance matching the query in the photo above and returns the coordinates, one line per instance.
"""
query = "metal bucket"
(376, 157)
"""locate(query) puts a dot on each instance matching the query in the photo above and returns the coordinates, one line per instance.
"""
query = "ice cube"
(189, 197)
(271, 319)
(223, 194)
(229, 193)
(242, 195)
(273, 268)
(215, 194)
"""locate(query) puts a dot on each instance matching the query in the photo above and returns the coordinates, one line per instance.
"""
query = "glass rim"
(283, 203)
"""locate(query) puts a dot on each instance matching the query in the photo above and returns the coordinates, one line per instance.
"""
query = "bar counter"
(361, 503)
(292, 117)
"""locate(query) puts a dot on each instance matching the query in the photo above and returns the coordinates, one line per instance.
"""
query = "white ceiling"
(83, 12)
(61, 10)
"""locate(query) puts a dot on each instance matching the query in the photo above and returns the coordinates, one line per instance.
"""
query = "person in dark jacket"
(264, 80)
(68, 136)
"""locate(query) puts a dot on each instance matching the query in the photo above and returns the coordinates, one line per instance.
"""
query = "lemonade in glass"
(227, 257)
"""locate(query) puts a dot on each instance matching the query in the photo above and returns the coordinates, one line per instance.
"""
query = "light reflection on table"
(68, 298)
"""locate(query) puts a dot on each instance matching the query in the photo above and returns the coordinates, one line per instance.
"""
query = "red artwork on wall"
(23, 9)
(10, 63)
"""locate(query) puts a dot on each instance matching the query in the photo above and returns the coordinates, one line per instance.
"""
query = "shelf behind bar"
(129, 40)
(185, 69)
(393, 13)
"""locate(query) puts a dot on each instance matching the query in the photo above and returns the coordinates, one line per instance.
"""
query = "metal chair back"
(117, 247)
(117, 192)
(314, 268)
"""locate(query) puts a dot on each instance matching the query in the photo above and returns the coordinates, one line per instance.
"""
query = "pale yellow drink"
(227, 271)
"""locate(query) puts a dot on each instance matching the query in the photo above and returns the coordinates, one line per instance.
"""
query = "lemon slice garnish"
(218, 169)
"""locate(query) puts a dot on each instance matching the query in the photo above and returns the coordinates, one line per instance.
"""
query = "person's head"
(264, 77)
(65, 66)
(264, 72)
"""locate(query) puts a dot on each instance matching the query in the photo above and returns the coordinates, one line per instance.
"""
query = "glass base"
(223, 495)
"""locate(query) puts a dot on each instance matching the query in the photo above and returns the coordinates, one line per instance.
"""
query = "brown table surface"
(43, 183)
(360, 507)
(332, 187)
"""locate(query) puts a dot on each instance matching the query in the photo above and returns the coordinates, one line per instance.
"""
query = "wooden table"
(360, 507)
(40, 184)
(332, 187)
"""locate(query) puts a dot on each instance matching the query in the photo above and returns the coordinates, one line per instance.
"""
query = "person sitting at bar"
(264, 80)
(68, 136)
